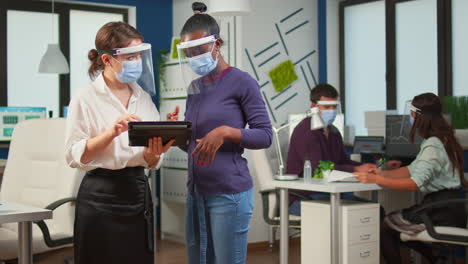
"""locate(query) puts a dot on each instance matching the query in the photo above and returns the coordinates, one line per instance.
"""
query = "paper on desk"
(341, 176)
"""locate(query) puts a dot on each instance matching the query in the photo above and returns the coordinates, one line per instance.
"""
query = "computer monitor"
(369, 147)
(11, 116)
(397, 143)
(368, 144)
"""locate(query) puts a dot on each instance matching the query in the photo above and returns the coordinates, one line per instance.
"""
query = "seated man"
(323, 144)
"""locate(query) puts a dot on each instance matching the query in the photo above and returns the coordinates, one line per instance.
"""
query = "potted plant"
(161, 60)
(324, 169)
(457, 107)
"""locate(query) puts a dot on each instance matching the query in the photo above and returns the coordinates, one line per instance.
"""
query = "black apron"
(113, 218)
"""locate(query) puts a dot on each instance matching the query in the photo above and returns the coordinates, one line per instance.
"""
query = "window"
(25, 32)
(364, 62)
(420, 54)
(460, 46)
(27, 87)
(416, 49)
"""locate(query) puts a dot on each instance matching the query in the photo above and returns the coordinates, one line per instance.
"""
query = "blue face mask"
(203, 64)
(411, 120)
(131, 71)
(328, 116)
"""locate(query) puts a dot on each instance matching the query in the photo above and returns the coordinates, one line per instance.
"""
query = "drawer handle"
(365, 220)
(365, 254)
(365, 237)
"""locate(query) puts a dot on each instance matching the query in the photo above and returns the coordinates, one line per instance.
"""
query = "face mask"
(131, 71)
(328, 116)
(411, 120)
(203, 64)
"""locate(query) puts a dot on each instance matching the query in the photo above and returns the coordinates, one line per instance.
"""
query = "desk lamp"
(316, 122)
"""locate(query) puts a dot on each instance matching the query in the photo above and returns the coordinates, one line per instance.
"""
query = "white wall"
(256, 32)
(181, 11)
(269, 26)
(260, 31)
(84, 25)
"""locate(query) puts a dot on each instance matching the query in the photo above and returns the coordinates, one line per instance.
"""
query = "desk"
(317, 185)
(2, 169)
(24, 215)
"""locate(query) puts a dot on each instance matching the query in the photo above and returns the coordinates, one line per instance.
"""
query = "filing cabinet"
(359, 232)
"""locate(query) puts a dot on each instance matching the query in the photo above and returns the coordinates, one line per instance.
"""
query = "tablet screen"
(139, 133)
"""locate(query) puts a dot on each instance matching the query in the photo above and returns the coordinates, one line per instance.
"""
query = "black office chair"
(441, 236)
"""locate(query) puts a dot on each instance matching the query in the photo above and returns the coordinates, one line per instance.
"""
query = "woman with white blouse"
(113, 220)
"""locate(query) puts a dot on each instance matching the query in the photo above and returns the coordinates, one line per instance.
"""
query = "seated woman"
(437, 172)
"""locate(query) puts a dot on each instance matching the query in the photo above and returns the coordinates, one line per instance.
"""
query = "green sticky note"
(174, 54)
(283, 75)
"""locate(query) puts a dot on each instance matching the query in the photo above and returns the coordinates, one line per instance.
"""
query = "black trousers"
(110, 221)
(445, 216)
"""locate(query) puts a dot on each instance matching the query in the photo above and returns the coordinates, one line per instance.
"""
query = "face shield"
(196, 61)
(408, 118)
(329, 111)
(134, 65)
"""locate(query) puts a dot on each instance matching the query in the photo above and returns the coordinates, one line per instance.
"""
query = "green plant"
(457, 107)
(324, 165)
(161, 60)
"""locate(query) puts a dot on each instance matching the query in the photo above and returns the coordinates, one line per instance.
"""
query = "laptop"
(368, 144)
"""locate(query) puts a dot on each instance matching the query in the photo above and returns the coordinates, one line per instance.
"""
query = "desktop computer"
(397, 142)
(371, 148)
(11, 116)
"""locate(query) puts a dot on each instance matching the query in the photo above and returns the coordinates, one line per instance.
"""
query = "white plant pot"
(326, 174)
(462, 136)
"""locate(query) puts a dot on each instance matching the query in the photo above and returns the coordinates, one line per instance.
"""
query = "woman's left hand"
(155, 149)
(208, 146)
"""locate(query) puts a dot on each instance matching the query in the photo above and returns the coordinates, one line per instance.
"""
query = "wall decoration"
(280, 53)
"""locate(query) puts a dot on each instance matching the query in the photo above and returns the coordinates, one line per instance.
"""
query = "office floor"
(174, 253)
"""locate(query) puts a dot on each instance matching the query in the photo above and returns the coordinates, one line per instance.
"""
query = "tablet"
(140, 132)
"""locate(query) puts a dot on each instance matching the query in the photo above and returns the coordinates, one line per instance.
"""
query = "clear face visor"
(334, 105)
(330, 112)
(196, 61)
(134, 65)
(408, 118)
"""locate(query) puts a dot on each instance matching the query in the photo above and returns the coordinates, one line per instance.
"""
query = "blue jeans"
(216, 227)
(295, 207)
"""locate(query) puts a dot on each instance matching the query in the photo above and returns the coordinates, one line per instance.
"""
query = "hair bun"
(199, 7)
(93, 54)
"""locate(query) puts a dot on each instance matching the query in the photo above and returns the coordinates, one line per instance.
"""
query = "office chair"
(265, 163)
(37, 174)
(270, 196)
(442, 236)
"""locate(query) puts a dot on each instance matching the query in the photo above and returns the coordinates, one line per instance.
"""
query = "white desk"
(24, 215)
(317, 185)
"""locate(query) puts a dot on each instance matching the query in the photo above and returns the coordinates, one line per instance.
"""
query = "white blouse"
(95, 109)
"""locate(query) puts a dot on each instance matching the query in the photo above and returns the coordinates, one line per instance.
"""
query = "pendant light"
(229, 7)
(53, 60)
